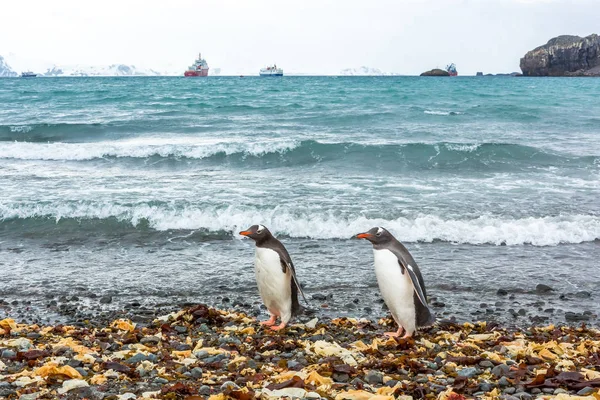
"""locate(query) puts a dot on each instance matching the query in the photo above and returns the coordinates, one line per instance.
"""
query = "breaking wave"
(295, 152)
(225, 222)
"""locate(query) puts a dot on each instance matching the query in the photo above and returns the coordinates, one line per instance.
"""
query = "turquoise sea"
(136, 188)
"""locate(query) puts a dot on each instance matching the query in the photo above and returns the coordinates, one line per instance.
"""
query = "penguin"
(275, 277)
(400, 282)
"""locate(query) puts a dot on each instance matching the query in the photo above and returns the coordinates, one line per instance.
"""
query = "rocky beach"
(202, 352)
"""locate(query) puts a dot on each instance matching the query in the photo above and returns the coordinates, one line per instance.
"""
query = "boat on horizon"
(271, 71)
(200, 67)
(451, 70)
(28, 74)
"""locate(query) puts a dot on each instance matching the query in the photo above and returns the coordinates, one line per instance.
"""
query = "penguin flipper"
(415, 281)
(295, 283)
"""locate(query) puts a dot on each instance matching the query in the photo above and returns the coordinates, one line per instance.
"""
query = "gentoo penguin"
(275, 276)
(400, 282)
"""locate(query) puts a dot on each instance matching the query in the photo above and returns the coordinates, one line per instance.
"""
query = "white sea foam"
(439, 112)
(138, 149)
(541, 231)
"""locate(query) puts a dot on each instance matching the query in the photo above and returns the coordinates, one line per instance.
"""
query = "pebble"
(229, 385)
(82, 371)
(374, 377)
(502, 292)
(196, 373)
(106, 299)
(357, 382)
(523, 396)
(510, 390)
(485, 387)
(139, 357)
(8, 354)
(486, 364)
(543, 289)
(586, 391)
(292, 364)
(204, 390)
(469, 372)
(312, 395)
(536, 391)
(572, 316)
(153, 340)
(559, 391)
(319, 296)
(161, 381)
(201, 354)
(339, 377)
(180, 329)
(548, 390)
(503, 382)
(422, 379)
(500, 370)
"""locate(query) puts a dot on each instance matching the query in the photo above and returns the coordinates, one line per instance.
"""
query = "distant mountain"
(364, 71)
(110, 70)
(5, 69)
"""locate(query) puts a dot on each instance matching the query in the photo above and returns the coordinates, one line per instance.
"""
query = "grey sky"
(308, 36)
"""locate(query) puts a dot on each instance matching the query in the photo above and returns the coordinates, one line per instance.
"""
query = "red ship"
(200, 67)
(452, 70)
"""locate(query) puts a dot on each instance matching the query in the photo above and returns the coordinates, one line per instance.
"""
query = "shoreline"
(201, 351)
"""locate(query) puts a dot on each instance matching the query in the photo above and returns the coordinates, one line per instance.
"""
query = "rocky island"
(564, 56)
(435, 72)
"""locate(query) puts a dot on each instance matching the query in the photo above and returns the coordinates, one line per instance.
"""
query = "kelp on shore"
(201, 352)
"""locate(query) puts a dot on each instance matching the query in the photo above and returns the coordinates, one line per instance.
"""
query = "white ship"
(271, 71)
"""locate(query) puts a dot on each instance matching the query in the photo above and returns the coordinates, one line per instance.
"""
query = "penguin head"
(377, 235)
(257, 232)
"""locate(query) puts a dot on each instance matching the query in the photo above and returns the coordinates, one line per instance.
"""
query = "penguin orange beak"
(363, 235)
(245, 233)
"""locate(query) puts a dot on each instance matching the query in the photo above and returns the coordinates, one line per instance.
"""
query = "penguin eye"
(378, 234)
(259, 230)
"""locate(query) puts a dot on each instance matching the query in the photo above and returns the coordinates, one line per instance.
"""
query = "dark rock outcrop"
(436, 72)
(564, 56)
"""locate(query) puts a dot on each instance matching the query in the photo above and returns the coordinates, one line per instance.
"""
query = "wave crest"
(537, 231)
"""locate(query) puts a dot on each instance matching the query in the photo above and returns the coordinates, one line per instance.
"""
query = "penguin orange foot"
(269, 322)
(278, 327)
(395, 334)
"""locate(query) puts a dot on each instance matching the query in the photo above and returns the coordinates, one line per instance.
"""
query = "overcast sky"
(307, 36)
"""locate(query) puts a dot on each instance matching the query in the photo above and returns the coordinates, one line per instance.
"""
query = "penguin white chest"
(396, 288)
(274, 285)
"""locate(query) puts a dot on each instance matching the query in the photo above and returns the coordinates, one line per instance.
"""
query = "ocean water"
(137, 187)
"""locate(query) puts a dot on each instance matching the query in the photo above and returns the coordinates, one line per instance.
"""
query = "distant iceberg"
(365, 71)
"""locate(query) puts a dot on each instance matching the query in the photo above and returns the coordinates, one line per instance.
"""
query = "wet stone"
(523, 396)
(204, 390)
(106, 299)
(180, 329)
(196, 373)
(586, 391)
(543, 289)
(500, 370)
(502, 292)
(201, 354)
(340, 377)
(152, 340)
(229, 385)
(503, 382)
(468, 372)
